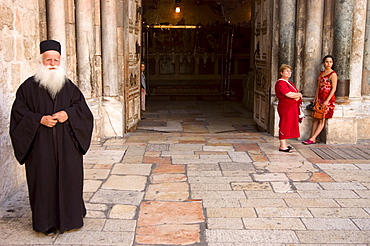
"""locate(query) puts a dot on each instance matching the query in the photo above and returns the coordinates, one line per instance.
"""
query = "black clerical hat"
(50, 45)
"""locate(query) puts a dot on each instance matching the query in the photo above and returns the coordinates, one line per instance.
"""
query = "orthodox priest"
(50, 129)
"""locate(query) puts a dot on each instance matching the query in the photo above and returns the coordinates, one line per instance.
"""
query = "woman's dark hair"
(328, 56)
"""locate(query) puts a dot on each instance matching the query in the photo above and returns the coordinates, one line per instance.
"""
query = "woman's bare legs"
(317, 127)
(283, 144)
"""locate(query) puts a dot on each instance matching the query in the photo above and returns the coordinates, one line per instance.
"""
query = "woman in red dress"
(326, 87)
(288, 107)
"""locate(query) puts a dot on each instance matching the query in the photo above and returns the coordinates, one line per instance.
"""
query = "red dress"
(324, 91)
(288, 110)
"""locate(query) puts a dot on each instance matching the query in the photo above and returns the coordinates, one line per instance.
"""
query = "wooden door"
(132, 41)
(262, 41)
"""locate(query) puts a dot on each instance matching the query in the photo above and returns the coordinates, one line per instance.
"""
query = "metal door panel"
(262, 40)
(132, 65)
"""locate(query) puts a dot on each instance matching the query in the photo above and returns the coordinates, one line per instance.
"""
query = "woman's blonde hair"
(284, 67)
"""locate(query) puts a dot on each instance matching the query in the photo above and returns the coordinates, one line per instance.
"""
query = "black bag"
(310, 106)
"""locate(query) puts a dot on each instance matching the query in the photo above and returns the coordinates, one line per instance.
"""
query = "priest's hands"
(52, 120)
(48, 120)
(61, 116)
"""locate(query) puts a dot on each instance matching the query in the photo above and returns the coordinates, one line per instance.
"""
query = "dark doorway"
(201, 53)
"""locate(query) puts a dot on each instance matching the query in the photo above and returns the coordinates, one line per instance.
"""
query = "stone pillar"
(366, 68)
(70, 14)
(312, 53)
(42, 20)
(343, 39)
(364, 111)
(357, 49)
(109, 47)
(85, 45)
(121, 13)
(112, 107)
(287, 11)
(56, 22)
(342, 128)
(328, 29)
(300, 43)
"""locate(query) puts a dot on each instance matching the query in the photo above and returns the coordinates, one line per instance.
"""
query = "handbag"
(310, 106)
(301, 115)
(318, 111)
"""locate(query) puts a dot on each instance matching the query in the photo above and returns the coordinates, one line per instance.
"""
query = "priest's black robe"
(52, 155)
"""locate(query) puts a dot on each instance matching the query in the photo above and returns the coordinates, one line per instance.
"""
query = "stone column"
(357, 49)
(287, 11)
(363, 110)
(300, 43)
(112, 107)
(312, 53)
(85, 45)
(342, 128)
(343, 39)
(328, 29)
(366, 68)
(56, 22)
(109, 47)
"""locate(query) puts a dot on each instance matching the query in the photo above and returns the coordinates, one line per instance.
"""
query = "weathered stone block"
(341, 131)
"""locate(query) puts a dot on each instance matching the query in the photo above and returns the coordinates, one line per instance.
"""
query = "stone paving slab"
(123, 212)
(339, 213)
(132, 169)
(273, 224)
(251, 236)
(333, 237)
(117, 197)
(225, 223)
(103, 156)
(168, 235)
(96, 238)
(310, 203)
(168, 192)
(118, 182)
(230, 212)
(324, 224)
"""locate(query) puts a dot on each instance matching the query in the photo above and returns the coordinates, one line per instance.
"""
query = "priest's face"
(51, 58)
(50, 74)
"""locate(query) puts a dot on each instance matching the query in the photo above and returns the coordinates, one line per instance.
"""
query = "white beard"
(52, 80)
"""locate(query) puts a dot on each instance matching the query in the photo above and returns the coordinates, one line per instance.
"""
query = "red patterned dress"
(325, 88)
(288, 110)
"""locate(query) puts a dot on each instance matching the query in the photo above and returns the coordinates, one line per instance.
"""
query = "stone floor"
(199, 173)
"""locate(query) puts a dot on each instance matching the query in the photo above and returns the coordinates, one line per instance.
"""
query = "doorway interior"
(201, 53)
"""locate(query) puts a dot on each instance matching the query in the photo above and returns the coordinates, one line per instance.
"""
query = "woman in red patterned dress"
(288, 107)
(326, 87)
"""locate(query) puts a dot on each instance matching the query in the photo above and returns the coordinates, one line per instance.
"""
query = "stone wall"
(19, 40)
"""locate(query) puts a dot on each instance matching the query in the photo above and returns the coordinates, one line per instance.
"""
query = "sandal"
(290, 147)
(308, 141)
(286, 150)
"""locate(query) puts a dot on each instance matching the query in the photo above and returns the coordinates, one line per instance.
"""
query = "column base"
(112, 117)
(95, 107)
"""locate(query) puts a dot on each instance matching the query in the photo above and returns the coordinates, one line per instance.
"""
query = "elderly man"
(50, 129)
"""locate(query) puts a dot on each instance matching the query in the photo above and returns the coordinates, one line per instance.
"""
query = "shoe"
(286, 150)
(50, 231)
(290, 147)
(308, 141)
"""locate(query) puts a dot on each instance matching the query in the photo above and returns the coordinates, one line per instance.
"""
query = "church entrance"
(200, 53)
